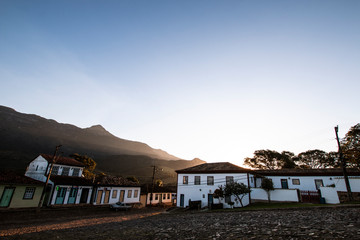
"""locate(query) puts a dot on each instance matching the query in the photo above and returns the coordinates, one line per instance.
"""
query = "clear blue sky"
(210, 79)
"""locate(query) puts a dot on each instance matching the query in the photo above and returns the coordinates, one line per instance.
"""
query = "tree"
(315, 159)
(89, 163)
(268, 185)
(239, 190)
(133, 179)
(270, 160)
(351, 146)
(159, 183)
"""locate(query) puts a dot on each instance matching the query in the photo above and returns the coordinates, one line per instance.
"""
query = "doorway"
(7, 196)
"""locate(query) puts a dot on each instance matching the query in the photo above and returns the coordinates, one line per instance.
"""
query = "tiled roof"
(63, 160)
(307, 172)
(157, 189)
(115, 181)
(67, 180)
(15, 178)
(221, 167)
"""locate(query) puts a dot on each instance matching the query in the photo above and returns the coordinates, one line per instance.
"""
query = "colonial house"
(109, 190)
(311, 181)
(19, 191)
(161, 195)
(291, 185)
(198, 183)
(66, 184)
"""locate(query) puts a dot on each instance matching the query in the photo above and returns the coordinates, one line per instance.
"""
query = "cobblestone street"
(309, 223)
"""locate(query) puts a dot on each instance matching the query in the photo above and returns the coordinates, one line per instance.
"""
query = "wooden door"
(107, 196)
(72, 195)
(7, 196)
(284, 184)
(182, 200)
(99, 197)
(60, 196)
(122, 195)
(84, 195)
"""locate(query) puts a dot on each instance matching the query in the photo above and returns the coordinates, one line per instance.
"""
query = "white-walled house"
(110, 190)
(39, 167)
(66, 184)
(160, 195)
(198, 183)
(310, 180)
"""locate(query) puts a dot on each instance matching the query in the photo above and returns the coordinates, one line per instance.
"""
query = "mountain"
(25, 136)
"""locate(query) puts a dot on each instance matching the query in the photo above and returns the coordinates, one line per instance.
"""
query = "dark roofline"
(222, 167)
(59, 160)
(306, 172)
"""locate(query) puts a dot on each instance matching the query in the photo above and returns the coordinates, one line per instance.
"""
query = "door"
(60, 196)
(182, 197)
(84, 195)
(284, 184)
(210, 200)
(72, 195)
(107, 196)
(99, 197)
(122, 194)
(6, 196)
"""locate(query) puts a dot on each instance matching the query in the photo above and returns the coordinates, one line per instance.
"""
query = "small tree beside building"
(268, 186)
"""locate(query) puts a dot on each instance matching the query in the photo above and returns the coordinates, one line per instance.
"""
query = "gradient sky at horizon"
(210, 79)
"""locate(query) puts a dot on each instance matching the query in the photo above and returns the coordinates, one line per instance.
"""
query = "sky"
(215, 80)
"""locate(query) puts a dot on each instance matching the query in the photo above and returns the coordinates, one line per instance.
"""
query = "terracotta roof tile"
(63, 160)
(221, 167)
(15, 178)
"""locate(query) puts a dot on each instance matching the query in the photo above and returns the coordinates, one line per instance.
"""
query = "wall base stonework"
(343, 197)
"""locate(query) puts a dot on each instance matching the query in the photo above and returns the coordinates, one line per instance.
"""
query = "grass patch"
(259, 206)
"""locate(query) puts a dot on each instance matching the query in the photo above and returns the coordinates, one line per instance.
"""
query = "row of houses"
(197, 184)
(67, 186)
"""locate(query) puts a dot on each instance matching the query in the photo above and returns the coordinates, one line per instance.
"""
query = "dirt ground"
(156, 223)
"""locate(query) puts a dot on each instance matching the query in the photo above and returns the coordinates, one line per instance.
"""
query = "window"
(164, 196)
(55, 170)
(227, 199)
(210, 180)
(114, 194)
(168, 196)
(136, 193)
(197, 180)
(129, 193)
(76, 172)
(185, 179)
(229, 179)
(29, 193)
(156, 196)
(65, 171)
(296, 181)
(318, 183)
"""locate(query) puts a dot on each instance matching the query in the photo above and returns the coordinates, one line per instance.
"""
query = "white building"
(198, 183)
(65, 186)
(110, 190)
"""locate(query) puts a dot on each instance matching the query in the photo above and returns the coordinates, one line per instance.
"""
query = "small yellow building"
(19, 191)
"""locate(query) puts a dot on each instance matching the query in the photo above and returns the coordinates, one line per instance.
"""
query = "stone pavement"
(309, 223)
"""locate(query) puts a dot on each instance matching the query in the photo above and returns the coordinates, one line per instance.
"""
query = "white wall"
(36, 169)
(200, 192)
(159, 195)
(68, 188)
(282, 195)
(306, 182)
(330, 194)
(116, 198)
(354, 184)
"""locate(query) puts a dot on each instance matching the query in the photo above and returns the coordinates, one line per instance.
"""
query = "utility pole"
(152, 184)
(343, 163)
(47, 179)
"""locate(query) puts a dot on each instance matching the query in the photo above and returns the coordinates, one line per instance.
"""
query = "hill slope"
(24, 136)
